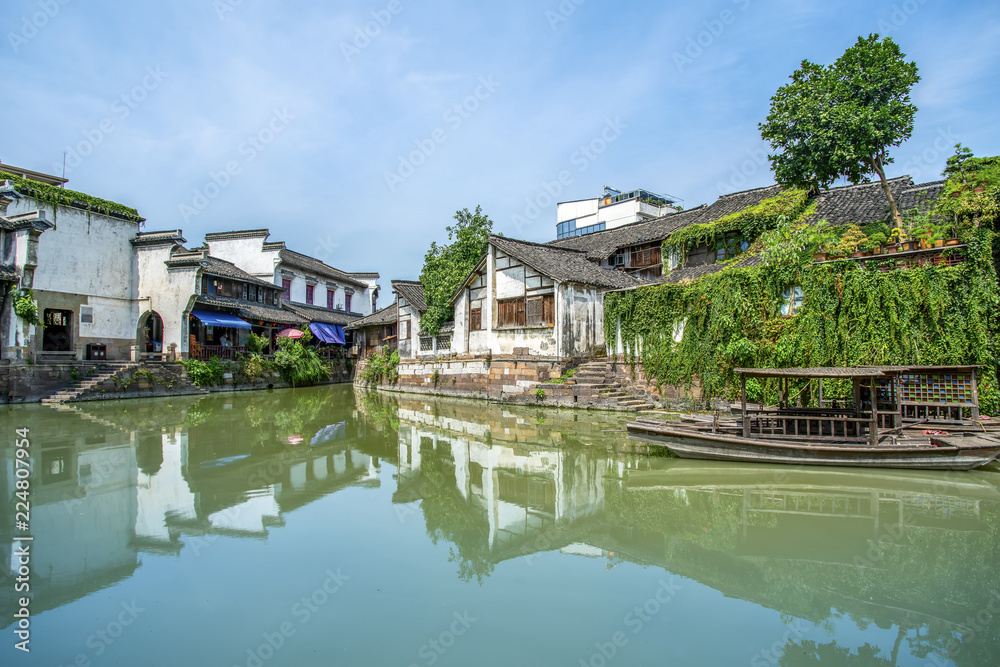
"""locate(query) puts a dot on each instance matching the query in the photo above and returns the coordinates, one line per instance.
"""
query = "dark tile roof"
(447, 327)
(378, 318)
(220, 267)
(858, 204)
(690, 273)
(363, 274)
(252, 311)
(412, 291)
(317, 267)
(320, 314)
(921, 197)
(601, 245)
(237, 234)
(562, 264)
(737, 201)
(159, 238)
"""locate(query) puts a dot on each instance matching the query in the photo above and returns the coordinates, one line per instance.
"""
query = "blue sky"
(354, 132)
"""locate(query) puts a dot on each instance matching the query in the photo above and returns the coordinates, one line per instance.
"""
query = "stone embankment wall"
(74, 381)
(474, 377)
(30, 383)
(670, 397)
(513, 379)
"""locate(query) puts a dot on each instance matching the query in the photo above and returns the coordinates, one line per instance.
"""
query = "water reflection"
(114, 480)
(909, 560)
(864, 567)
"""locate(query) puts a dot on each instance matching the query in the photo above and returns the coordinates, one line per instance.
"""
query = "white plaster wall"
(245, 253)
(84, 253)
(90, 255)
(510, 283)
(171, 294)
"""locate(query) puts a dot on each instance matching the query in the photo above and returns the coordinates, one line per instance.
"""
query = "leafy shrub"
(299, 364)
(205, 373)
(256, 344)
(381, 366)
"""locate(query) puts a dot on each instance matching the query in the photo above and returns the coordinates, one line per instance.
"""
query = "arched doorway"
(149, 337)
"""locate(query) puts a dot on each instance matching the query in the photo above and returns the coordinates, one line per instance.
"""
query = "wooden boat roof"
(848, 371)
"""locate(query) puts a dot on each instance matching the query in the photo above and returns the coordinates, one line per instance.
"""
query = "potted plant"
(897, 239)
(875, 242)
(851, 241)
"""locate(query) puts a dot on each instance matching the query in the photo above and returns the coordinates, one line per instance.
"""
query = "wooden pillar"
(821, 392)
(975, 395)
(743, 405)
(873, 427)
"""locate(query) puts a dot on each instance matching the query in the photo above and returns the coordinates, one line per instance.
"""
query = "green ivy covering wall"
(932, 315)
(59, 196)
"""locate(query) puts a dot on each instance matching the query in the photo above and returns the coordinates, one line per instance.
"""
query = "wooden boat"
(871, 431)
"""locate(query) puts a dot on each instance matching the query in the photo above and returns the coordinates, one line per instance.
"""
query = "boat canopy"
(847, 372)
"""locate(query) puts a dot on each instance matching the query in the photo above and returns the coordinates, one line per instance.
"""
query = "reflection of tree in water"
(379, 410)
(927, 582)
(451, 517)
(809, 653)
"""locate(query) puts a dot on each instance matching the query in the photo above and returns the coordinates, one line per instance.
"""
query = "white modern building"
(613, 209)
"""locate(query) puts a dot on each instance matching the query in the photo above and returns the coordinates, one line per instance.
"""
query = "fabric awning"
(328, 333)
(216, 319)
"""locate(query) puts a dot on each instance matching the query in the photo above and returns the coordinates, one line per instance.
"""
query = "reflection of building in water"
(83, 508)
(521, 490)
(101, 494)
(164, 496)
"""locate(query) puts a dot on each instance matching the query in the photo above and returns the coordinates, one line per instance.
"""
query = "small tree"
(445, 266)
(956, 164)
(842, 119)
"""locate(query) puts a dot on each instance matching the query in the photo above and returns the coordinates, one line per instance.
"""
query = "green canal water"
(320, 527)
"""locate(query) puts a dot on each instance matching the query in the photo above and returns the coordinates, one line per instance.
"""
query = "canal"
(320, 527)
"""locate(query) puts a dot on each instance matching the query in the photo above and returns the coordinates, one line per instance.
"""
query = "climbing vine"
(25, 307)
(750, 222)
(60, 196)
(698, 333)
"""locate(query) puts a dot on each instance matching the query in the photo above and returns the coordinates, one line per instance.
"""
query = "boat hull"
(950, 452)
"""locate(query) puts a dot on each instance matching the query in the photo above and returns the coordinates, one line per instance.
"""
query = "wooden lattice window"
(540, 310)
(476, 319)
(936, 389)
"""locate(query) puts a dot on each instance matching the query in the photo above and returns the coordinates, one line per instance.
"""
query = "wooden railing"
(205, 352)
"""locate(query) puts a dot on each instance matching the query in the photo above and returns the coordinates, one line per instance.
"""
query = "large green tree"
(445, 266)
(842, 119)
